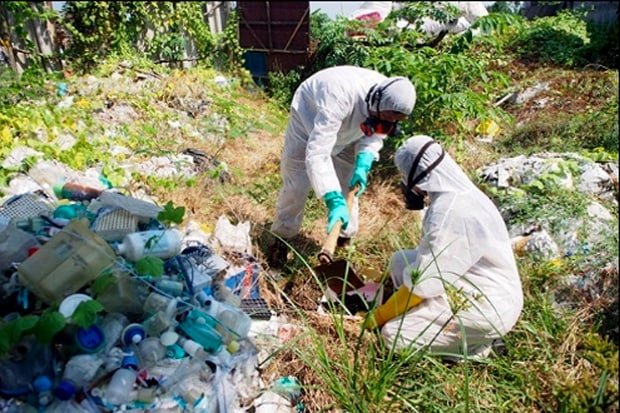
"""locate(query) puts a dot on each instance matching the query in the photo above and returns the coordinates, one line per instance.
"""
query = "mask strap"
(376, 94)
(412, 182)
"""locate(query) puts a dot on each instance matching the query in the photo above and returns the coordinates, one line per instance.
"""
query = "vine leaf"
(50, 323)
(150, 265)
(171, 214)
(85, 314)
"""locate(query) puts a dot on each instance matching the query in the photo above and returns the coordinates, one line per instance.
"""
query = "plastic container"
(188, 368)
(156, 302)
(42, 385)
(133, 334)
(157, 243)
(78, 373)
(73, 258)
(161, 320)
(14, 243)
(113, 325)
(200, 327)
(231, 319)
(126, 295)
(121, 385)
(151, 351)
(174, 288)
(75, 191)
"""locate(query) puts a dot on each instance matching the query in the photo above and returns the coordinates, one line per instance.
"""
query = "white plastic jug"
(157, 243)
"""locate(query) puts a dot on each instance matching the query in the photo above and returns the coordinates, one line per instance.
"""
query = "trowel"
(339, 275)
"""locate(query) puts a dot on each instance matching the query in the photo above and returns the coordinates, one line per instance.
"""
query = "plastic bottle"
(200, 327)
(42, 385)
(187, 368)
(151, 351)
(233, 322)
(75, 191)
(162, 244)
(119, 390)
(14, 243)
(78, 373)
(156, 302)
(113, 325)
(162, 320)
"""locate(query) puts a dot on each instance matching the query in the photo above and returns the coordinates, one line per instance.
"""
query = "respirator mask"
(413, 199)
(374, 124)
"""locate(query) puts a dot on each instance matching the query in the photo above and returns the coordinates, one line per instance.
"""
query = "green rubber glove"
(363, 163)
(337, 209)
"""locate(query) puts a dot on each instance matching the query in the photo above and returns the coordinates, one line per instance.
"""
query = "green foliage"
(452, 83)
(149, 265)
(171, 214)
(102, 283)
(558, 39)
(85, 314)
(12, 332)
(228, 55)
(50, 323)
(99, 29)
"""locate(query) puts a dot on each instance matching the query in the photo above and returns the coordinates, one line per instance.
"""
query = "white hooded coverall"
(322, 138)
(464, 254)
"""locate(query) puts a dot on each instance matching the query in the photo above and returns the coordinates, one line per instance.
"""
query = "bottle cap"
(41, 384)
(233, 347)
(130, 362)
(175, 352)
(65, 390)
(168, 338)
(191, 347)
(70, 304)
(90, 339)
(133, 334)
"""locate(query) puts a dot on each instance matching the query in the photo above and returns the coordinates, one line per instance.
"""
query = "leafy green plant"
(558, 39)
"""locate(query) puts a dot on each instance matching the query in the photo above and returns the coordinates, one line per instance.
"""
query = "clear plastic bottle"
(119, 390)
(233, 322)
(157, 243)
(78, 373)
(161, 320)
(113, 325)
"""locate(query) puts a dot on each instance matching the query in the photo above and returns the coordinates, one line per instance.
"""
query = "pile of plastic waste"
(169, 317)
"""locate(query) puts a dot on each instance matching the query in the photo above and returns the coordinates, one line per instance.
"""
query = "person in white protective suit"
(338, 121)
(459, 290)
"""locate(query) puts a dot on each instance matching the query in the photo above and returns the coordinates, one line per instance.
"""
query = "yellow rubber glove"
(400, 302)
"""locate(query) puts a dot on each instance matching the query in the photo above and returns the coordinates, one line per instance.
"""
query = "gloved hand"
(337, 209)
(369, 322)
(363, 163)
(399, 303)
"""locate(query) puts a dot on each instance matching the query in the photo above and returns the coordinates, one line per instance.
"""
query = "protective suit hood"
(447, 176)
(394, 93)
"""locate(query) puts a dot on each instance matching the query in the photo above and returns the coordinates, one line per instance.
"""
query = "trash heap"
(107, 306)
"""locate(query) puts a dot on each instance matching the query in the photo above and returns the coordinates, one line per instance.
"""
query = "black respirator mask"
(413, 200)
(374, 124)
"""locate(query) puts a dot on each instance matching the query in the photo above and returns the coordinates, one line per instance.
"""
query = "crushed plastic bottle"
(78, 373)
(14, 243)
(119, 390)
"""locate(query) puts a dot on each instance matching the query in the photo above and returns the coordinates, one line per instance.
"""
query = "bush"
(558, 39)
